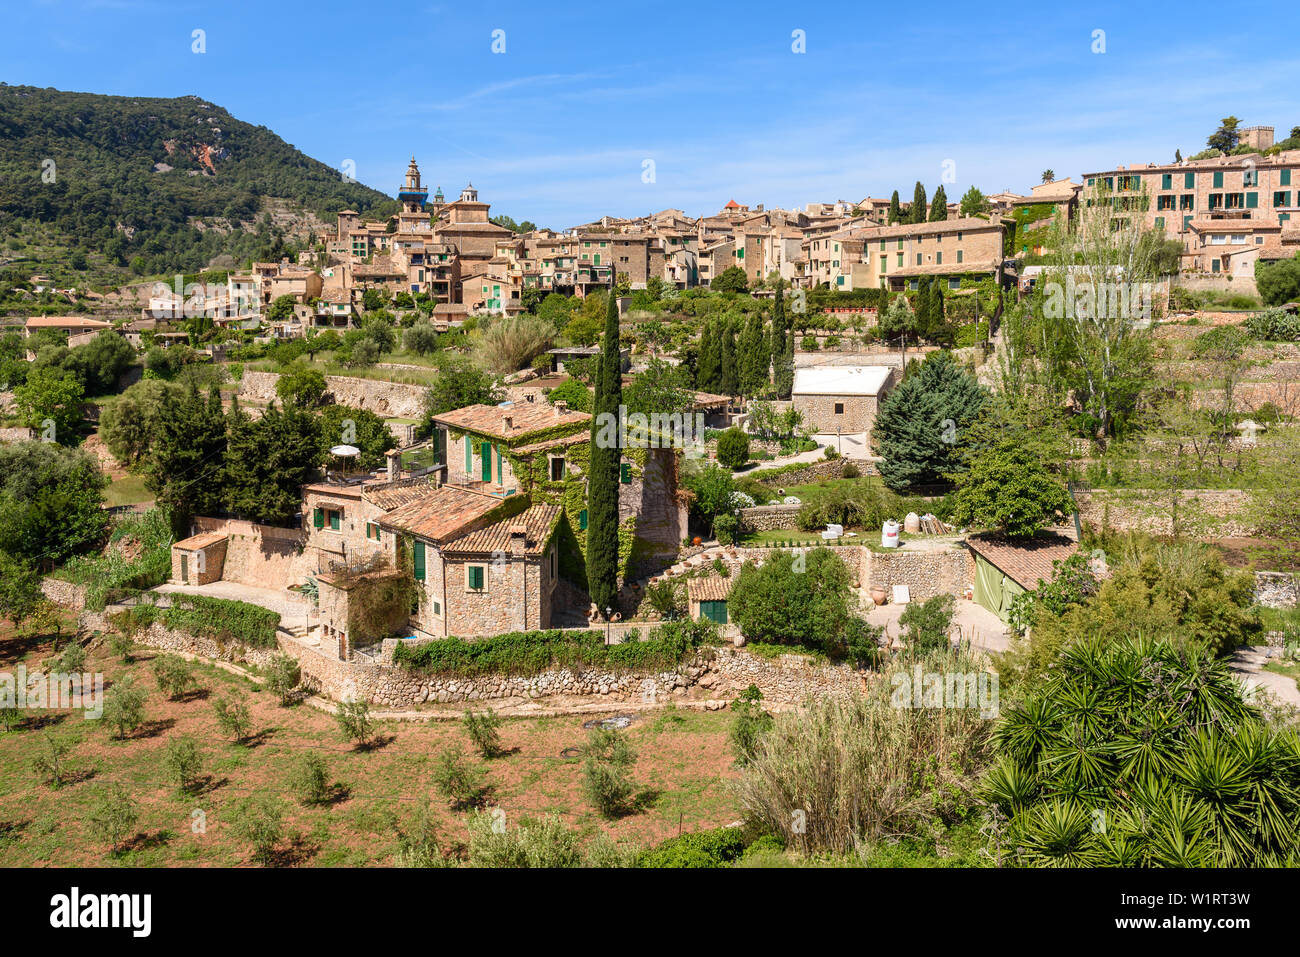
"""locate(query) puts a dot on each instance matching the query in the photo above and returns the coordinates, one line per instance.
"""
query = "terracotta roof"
(947, 269)
(537, 522)
(331, 490)
(524, 417)
(969, 223)
(202, 540)
(1025, 562)
(391, 497)
(59, 322)
(708, 589)
(440, 513)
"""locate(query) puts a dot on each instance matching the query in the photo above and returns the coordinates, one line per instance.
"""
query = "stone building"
(841, 399)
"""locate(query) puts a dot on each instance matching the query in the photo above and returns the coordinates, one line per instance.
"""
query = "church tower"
(412, 194)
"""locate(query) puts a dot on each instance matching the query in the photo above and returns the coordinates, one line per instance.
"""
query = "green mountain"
(101, 187)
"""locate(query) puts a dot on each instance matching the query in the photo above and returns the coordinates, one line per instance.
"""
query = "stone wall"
(64, 594)
(1277, 589)
(386, 399)
(766, 518)
(814, 472)
(22, 434)
(1215, 513)
(926, 573)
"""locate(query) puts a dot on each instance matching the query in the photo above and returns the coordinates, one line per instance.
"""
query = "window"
(557, 468)
(1160, 222)
(839, 408)
(1167, 181)
(1187, 201)
(918, 259)
(959, 255)
(1218, 180)
(1250, 177)
(625, 473)
(1189, 181)
(582, 520)
(938, 259)
(1282, 198)
(335, 518)
(900, 260)
(475, 576)
(1284, 177)
(318, 517)
(436, 607)
(954, 282)
(372, 531)
(1214, 265)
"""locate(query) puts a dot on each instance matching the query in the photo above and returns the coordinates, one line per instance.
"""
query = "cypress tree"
(186, 460)
(706, 373)
(895, 209)
(782, 349)
(602, 475)
(729, 376)
(918, 204)
(939, 207)
(754, 356)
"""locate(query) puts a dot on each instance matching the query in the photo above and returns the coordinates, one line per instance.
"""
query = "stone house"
(1005, 568)
(842, 399)
(707, 597)
(199, 559)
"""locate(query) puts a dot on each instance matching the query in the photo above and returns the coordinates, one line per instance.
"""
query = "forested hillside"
(106, 184)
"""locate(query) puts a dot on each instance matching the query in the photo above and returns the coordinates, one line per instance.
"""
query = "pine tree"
(729, 376)
(895, 209)
(603, 468)
(269, 461)
(939, 206)
(918, 203)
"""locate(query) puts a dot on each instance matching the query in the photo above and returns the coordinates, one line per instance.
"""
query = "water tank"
(889, 535)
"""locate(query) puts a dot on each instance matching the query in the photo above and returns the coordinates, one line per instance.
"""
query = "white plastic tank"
(912, 523)
(889, 535)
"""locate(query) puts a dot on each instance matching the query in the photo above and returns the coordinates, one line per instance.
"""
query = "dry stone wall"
(386, 399)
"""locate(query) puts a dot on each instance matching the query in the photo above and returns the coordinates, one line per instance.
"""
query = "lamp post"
(608, 611)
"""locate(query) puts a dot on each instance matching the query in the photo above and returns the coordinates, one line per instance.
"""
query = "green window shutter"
(1286, 177)
(469, 456)
(485, 452)
(1218, 180)
(1167, 181)
(417, 555)
(336, 520)
(959, 255)
(1186, 222)
(1252, 200)
(1189, 181)
(625, 473)
(476, 576)
(582, 520)
(318, 517)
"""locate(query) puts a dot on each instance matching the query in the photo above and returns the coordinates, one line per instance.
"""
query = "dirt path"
(1248, 661)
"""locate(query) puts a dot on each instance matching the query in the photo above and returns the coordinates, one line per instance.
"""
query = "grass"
(127, 490)
(1280, 619)
(683, 773)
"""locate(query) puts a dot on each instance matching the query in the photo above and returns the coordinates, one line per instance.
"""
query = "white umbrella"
(345, 451)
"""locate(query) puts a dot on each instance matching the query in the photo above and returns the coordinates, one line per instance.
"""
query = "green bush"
(726, 529)
(484, 731)
(1274, 325)
(173, 675)
(311, 779)
(532, 652)
(721, 847)
(461, 783)
(733, 448)
(926, 624)
(544, 843)
(354, 721)
(748, 724)
(223, 620)
(606, 771)
(233, 717)
(282, 677)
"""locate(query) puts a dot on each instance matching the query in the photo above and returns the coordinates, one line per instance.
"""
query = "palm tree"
(1048, 175)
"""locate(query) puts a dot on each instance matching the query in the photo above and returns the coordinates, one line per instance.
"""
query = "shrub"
(260, 821)
(720, 847)
(850, 471)
(173, 676)
(124, 707)
(1274, 325)
(50, 765)
(417, 845)
(311, 779)
(665, 597)
(534, 843)
(183, 762)
(354, 721)
(726, 529)
(72, 659)
(793, 600)
(606, 772)
(233, 717)
(462, 784)
(113, 816)
(282, 677)
(484, 733)
(748, 724)
(864, 768)
(733, 448)
(926, 625)
(122, 646)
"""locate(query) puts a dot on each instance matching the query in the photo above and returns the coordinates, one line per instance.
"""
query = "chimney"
(508, 422)
(561, 406)
(518, 540)
(394, 459)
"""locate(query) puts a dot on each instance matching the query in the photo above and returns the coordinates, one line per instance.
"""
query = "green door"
(715, 611)
(485, 450)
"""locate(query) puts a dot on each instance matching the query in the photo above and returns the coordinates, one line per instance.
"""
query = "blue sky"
(558, 127)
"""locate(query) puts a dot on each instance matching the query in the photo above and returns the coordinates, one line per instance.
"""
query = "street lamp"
(608, 611)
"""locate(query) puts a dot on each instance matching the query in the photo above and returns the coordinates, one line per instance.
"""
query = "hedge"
(202, 616)
(532, 652)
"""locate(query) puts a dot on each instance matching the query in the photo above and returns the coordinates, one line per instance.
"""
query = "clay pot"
(878, 594)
